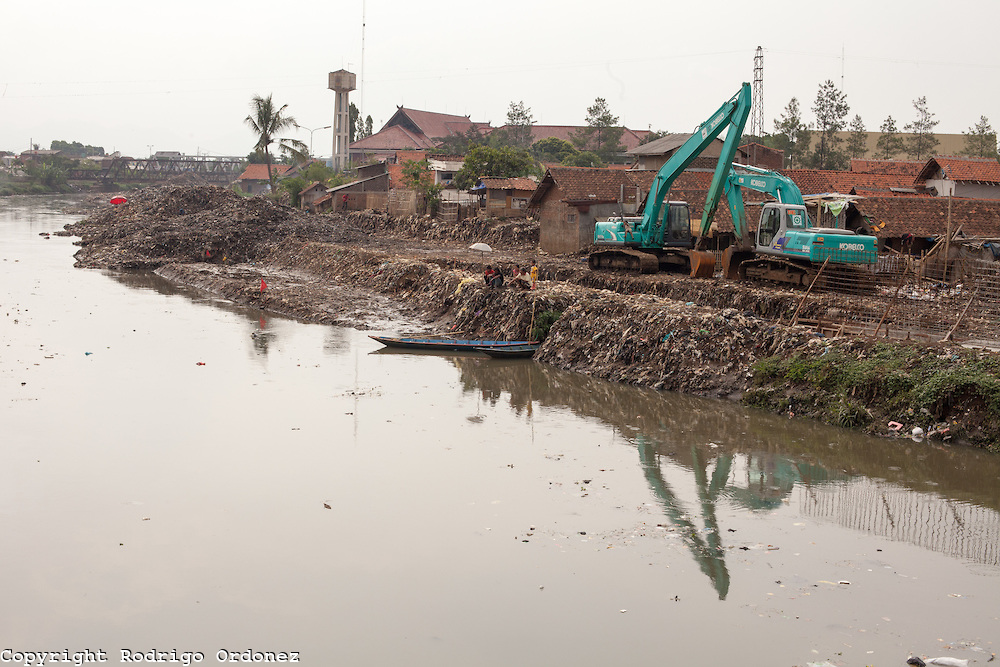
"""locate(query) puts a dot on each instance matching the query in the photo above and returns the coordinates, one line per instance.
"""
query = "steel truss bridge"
(219, 170)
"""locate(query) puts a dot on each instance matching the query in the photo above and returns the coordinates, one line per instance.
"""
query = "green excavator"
(786, 247)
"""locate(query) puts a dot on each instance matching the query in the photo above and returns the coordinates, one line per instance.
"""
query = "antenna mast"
(757, 107)
(361, 93)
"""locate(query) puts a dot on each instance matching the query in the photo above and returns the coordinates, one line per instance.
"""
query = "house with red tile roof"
(656, 153)
(385, 143)
(630, 138)
(914, 224)
(412, 129)
(765, 157)
(568, 200)
(254, 180)
(893, 167)
(311, 195)
(816, 181)
(973, 178)
(507, 197)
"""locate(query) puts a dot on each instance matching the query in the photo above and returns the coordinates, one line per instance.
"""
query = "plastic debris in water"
(938, 662)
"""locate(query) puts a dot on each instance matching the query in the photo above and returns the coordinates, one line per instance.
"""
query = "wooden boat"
(511, 351)
(450, 344)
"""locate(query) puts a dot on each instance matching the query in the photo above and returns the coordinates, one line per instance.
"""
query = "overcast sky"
(130, 77)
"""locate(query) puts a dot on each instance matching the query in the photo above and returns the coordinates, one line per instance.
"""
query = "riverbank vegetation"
(949, 393)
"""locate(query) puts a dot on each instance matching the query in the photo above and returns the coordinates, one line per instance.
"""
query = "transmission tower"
(757, 107)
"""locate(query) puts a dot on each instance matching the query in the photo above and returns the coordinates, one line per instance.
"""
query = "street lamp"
(325, 127)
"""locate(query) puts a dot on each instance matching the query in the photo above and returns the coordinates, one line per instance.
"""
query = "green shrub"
(543, 323)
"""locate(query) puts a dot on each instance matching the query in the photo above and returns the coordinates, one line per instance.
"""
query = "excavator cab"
(678, 231)
(776, 220)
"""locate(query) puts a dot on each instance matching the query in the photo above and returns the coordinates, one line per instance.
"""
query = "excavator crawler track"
(839, 278)
(624, 259)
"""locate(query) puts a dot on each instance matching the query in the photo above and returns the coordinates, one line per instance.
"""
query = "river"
(183, 474)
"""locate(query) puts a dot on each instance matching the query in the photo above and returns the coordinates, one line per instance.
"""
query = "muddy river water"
(183, 475)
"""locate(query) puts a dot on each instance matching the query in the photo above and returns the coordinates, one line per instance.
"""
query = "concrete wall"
(977, 190)
(566, 229)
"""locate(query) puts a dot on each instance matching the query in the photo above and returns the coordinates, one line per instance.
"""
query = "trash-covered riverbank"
(703, 337)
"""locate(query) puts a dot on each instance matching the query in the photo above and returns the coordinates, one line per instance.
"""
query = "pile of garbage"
(517, 232)
(202, 223)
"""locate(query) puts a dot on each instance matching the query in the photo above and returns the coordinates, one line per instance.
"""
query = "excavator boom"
(657, 238)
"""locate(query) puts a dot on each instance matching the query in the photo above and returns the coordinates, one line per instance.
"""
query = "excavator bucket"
(702, 264)
(731, 260)
(728, 266)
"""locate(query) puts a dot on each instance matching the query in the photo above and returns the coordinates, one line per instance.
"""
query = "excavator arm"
(732, 115)
(663, 237)
(762, 180)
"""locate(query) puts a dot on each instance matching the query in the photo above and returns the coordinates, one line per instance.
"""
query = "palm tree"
(266, 122)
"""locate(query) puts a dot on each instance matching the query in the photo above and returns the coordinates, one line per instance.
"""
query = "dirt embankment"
(705, 337)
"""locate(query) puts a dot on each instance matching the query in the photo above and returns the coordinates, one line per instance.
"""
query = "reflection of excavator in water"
(778, 476)
(787, 247)
(705, 545)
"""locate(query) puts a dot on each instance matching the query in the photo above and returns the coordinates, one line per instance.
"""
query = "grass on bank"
(908, 384)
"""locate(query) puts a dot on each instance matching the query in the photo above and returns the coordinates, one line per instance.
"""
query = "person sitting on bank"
(521, 280)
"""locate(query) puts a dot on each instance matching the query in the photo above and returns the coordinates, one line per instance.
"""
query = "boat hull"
(510, 351)
(449, 344)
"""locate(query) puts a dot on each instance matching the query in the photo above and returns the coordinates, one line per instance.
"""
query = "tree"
(519, 122)
(417, 176)
(583, 159)
(459, 144)
(359, 128)
(791, 135)
(857, 144)
(653, 135)
(294, 187)
(75, 148)
(922, 142)
(266, 121)
(552, 149)
(256, 157)
(602, 134)
(831, 109)
(503, 162)
(354, 115)
(889, 144)
(48, 174)
(981, 140)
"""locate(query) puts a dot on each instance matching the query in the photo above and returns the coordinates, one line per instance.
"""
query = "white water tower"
(342, 83)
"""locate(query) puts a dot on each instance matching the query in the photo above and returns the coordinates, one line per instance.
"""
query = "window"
(769, 224)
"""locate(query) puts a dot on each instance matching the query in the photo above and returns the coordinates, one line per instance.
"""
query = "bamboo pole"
(795, 315)
(961, 317)
(888, 308)
(947, 243)
(531, 327)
